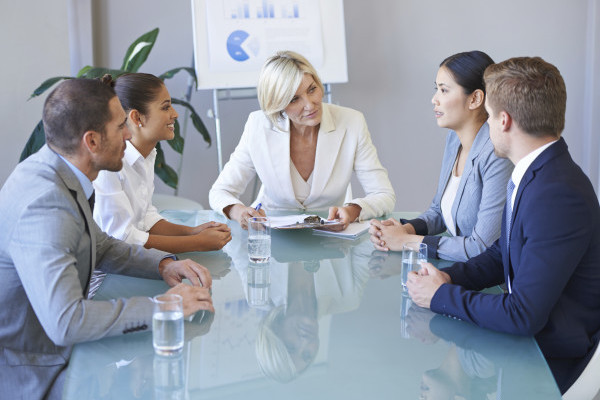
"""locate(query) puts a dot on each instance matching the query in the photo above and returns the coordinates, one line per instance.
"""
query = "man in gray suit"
(49, 246)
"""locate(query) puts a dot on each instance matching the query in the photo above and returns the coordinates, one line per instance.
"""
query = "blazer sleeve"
(380, 196)
(548, 259)
(44, 249)
(496, 173)
(236, 174)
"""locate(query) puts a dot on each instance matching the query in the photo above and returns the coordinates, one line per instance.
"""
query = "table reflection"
(126, 367)
(324, 319)
(479, 364)
(277, 316)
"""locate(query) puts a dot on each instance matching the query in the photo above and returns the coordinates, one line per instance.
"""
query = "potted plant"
(136, 55)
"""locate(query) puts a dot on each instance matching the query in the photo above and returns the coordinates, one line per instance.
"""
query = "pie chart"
(234, 45)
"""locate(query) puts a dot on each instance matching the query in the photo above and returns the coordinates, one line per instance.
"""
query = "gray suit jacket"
(49, 245)
(477, 208)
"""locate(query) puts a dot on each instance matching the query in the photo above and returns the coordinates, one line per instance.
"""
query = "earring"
(140, 125)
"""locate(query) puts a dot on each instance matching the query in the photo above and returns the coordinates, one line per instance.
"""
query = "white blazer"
(343, 146)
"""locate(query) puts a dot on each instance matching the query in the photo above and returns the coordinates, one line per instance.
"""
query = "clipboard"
(303, 221)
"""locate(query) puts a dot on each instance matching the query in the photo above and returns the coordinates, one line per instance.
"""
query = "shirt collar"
(525, 162)
(84, 181)
(132, 155)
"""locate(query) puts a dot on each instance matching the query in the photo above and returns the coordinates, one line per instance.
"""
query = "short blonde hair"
(273, 356)
(532, 91)
(279, 79)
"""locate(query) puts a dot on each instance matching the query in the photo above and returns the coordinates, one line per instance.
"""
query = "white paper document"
(285, 220)
(353, 230)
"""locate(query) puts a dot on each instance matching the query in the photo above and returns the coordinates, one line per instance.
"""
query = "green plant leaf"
(35, 142)
(164, 172)
(177, 142)
(169, 74)
(198, 124)
(84, 70)
(138, 51)
(48, 83)
(98, 72)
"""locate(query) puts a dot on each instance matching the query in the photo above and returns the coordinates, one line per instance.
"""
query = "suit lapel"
(277, 151)
(480, 140)
(72, 183)
(553, 151)
(329, 142)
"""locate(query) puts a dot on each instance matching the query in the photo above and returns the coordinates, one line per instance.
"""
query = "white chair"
(588, 384)
(168, 202)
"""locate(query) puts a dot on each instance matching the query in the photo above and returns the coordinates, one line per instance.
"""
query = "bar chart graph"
(262, 9)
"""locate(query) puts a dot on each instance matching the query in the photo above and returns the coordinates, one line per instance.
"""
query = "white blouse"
(301, 187)
(447, 202)
(123, 206)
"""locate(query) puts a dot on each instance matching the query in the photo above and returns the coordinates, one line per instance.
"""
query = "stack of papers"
(353, 231)
(285, 220)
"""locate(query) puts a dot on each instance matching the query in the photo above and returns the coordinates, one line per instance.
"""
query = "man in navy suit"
(549, 251)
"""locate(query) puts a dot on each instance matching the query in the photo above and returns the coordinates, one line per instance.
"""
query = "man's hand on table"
(173, 272)
(196, 296)
(423, 284)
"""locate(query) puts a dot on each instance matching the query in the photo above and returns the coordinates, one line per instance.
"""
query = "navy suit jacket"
(552, 263)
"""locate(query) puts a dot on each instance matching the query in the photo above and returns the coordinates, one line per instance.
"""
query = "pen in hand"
(258, 206)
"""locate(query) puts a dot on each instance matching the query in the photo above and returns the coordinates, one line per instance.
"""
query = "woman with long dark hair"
(471, 190)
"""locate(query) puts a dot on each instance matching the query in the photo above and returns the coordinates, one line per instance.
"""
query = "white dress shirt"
(521, 168)
(124, 207)
(447, 202)
(301, 187)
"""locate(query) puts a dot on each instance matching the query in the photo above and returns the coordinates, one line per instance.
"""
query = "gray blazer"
(477, 208)
(49, 245)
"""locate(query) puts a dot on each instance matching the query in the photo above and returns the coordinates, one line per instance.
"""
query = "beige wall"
(393, 48)
(34, 47)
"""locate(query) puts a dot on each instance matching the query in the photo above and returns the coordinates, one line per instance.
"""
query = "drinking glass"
(259, 284)
(167, 324)
(259, 239)
(169, 377)
(404, 307)
(413, 254)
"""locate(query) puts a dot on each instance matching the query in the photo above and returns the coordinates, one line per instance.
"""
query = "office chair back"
(588, 384)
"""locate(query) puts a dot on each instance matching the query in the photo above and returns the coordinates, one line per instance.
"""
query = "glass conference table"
(325, 319)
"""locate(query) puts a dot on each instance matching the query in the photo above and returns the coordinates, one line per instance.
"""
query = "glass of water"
(167, 324)
(259, 239)
(169, 377)
(413, 254)
(259, 284)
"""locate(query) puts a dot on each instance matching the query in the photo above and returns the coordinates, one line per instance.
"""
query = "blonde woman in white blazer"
(304, 152)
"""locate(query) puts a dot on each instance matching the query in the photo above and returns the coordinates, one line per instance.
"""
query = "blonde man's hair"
(532, 91)
(279, 79)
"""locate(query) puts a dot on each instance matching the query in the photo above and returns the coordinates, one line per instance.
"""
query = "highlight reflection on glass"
(169, 378)
(288, 337)
(259, 284)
